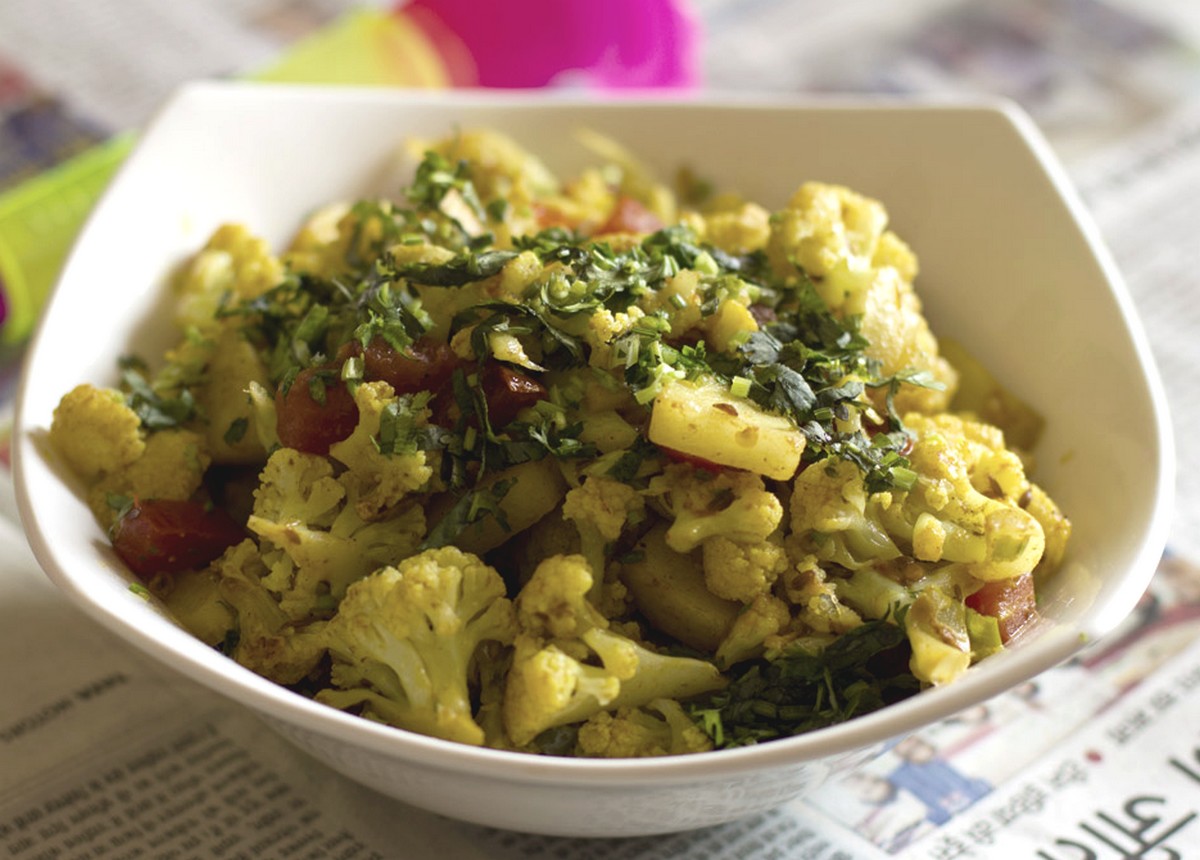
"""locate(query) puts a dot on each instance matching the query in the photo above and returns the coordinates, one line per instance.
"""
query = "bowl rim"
(1050, 648)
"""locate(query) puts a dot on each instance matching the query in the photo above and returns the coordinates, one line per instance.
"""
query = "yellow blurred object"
(364, 48)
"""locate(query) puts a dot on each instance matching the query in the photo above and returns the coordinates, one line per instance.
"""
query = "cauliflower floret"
(298, 487)
(377, 480)
(498, 165)
(834, 518)
(404, 638)
(171, 467)
(740, 230)
(603, 328)
(900, 339)
(95, 432)
(554, 603)
(1055, 525)
(767, 616)
(825, 228)
(266, 640)
(815, 599)
(568, 665)
(314, 544)
(546, 688)
(731, 503)
(839, 238)
(945, 517)
(659, 728)
(741, 571)
(234, 262)
(601, 508)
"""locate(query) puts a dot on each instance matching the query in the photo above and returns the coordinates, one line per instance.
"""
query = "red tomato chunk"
(157, 536)
(424, 366)
(1012, 602)
(630, 216)
(509, 391)
(309, 425)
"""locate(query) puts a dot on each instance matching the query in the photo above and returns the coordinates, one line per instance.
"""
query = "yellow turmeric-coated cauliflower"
(839, 238)
(741, 229)
(171, 466)
(741, 571)
(944, 516)
(313, 542)
(568, 664)
(660, 727)
(266, 639)
(101, 439)
(765, 617)
(604, 504)
(835, 519)
(950, 517)
(234, 263)
(404, 638)
(601, 508)
(603, 328)
(733, 504)
(95, 432)
(825, 228)
(900, 338)
(377, 479)
(815, 600)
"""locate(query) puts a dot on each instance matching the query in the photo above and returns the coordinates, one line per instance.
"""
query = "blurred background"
(1113, 84)
(1086, 68)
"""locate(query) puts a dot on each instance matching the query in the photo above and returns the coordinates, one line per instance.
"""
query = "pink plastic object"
(615, 44)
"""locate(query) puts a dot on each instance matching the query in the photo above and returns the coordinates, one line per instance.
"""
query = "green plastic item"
(39, 220)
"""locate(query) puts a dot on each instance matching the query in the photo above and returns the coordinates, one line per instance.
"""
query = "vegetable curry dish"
(601, 466)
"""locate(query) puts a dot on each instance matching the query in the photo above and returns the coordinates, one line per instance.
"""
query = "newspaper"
(106, 754)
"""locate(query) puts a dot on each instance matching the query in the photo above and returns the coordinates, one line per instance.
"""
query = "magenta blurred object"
(600, 44)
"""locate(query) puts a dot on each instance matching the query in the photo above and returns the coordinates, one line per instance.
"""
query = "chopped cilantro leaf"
(810, 686)
(157, 410)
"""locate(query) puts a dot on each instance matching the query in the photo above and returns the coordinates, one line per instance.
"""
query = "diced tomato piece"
(309, 424)
(424, 366)
(157, 536)
(443, 407)
(509, 391)
(1012, 602)
(763, 314)
(548, 216)
(630, 216)
(698, 462)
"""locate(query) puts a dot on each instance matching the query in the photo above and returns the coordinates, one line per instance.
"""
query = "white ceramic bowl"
(1010, 265)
